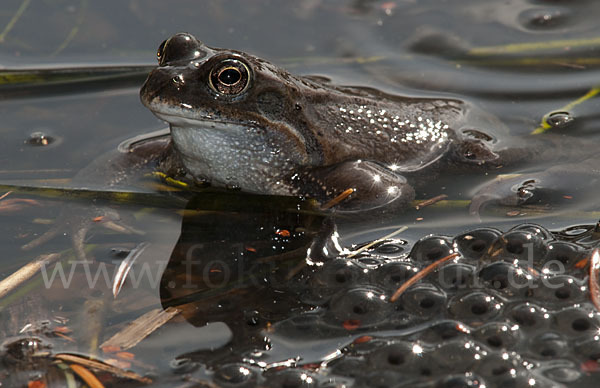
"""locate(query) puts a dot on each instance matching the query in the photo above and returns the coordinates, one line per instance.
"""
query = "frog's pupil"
(230, 76)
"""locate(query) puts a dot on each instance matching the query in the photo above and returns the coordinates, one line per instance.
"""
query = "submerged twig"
(91, 318)
(431, 201)
(140, 328)
(26, 272)
(420, 275)
(99, 365)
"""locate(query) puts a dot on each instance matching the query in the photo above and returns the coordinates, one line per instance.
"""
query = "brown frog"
(239, 121)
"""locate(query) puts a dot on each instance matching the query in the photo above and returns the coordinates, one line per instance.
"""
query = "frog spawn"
(512, 310)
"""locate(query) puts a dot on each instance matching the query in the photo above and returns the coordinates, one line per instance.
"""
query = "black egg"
(358, 308)
(498, 335)
(430, 249)
(474, 307)
(474, 244)
(423, 300)
(529, 317)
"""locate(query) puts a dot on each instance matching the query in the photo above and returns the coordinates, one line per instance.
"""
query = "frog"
(239, 121)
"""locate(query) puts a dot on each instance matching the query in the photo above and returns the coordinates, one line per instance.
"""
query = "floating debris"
(99, 365)
(139, 329)
(125, 267)
(369, 245)
(431, 201)
(345, 194)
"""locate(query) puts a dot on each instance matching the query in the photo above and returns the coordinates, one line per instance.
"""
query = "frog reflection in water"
(240, 121)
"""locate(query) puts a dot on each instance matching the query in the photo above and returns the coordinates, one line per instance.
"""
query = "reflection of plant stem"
(14, 19)
(73, 33)
(533, 46)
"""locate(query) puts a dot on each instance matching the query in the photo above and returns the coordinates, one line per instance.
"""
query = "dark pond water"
(519, 60)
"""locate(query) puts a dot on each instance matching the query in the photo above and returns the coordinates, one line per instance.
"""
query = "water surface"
(518, 60)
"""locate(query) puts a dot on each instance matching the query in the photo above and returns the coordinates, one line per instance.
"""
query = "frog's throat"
(307, 152)
(234, 154)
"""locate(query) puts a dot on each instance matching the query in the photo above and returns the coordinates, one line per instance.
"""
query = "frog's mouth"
(202, 122)
(187, 117)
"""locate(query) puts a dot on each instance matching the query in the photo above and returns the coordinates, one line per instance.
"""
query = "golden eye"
(230, 77)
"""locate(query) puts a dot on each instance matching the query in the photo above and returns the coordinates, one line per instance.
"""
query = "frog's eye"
(230, 77)
(160, 51)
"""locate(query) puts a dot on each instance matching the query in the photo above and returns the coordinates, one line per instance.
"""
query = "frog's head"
(235, 119)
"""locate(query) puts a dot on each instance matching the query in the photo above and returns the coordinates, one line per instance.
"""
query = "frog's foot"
(373, 186)
(551, 187)
(76, 221)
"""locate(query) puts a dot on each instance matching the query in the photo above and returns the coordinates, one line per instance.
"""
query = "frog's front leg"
(567, 182)
(374, 186)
